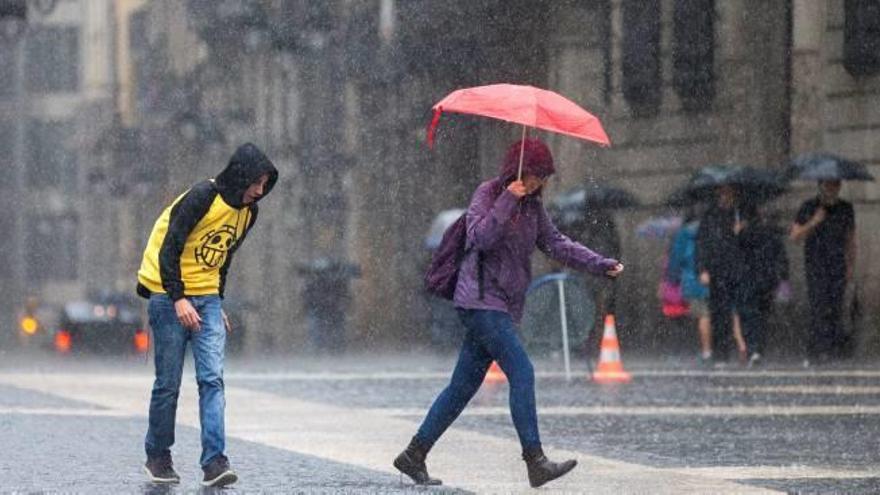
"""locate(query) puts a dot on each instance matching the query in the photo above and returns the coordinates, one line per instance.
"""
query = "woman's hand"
(517, 188)
(615, 272)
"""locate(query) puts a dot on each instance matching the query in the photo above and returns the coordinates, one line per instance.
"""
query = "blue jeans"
(490, 336)
(169, 341)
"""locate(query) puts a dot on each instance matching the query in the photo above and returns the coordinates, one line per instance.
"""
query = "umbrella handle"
(522, 150)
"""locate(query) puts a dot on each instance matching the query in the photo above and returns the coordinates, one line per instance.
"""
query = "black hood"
(245, 167)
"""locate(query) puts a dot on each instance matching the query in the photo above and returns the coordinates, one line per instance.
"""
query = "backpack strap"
(481, 255)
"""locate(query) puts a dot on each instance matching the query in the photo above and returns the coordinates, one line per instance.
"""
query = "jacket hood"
(537, 160)
(245, 167)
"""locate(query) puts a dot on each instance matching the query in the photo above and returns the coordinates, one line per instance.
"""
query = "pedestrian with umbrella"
(505, 222)
(764, 267)
(827, 227)
(719, 254)
(585, 214)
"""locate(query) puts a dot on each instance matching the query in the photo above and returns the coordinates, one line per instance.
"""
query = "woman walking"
(505, 222)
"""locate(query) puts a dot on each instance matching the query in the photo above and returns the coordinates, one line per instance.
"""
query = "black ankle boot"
(541, 470)
(411, 462)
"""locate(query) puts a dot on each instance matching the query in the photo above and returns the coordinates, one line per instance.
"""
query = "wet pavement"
(81, 454)
(332, 425)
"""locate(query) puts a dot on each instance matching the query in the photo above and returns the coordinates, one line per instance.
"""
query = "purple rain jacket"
(507, 231)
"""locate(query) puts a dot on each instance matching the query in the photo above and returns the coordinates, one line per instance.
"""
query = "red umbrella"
(526, 105)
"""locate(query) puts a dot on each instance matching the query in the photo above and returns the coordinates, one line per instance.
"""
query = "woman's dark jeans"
(490, 336)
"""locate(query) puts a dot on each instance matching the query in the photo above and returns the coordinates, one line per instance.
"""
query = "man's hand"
(704, 278)
(187, 314)
(226, 321)
(517, 188)
(739, 226)
(615, 272)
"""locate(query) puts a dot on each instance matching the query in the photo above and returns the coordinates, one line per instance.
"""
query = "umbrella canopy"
(571, 206)
(441, 222)
(595, 195)
(526, 105)
(825, 166)
(753, 183)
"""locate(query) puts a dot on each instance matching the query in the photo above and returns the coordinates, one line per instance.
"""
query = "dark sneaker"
(755, 360)
(161, 470)
(706, 362)
(218, 473)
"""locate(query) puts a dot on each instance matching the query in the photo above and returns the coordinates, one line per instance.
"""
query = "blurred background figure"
(727, 188)
(326, 299)
(826, 224)
(718, 262)
(764, 267)
(586, 215)
(683, 264)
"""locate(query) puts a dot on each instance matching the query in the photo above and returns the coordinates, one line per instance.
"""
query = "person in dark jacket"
(506, 220)
(718, 262)
(827, 226)
(598, 230)
(183, 274)
(764, 265)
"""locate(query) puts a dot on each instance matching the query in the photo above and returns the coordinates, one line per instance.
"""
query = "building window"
(642, 82)
(53, 59)
(861, 37)
(693, 53)
(52, 252)
(50, 162)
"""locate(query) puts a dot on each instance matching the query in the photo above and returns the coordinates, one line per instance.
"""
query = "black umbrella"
(754, 184)
(825, 166)
(570, 206)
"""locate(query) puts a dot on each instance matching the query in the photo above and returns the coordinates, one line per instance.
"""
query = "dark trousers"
(826, 307)
(753, 312)
(490, 336)
(722, 298)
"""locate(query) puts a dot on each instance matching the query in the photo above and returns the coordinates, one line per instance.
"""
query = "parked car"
(104, 323)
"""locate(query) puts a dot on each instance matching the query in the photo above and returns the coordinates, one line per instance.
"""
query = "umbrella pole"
(564, 321)
(522, 150)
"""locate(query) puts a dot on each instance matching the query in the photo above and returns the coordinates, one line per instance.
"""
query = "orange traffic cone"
(495, 375)
(610, 369)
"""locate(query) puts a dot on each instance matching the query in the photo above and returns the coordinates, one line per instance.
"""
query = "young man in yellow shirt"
(183, 274)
